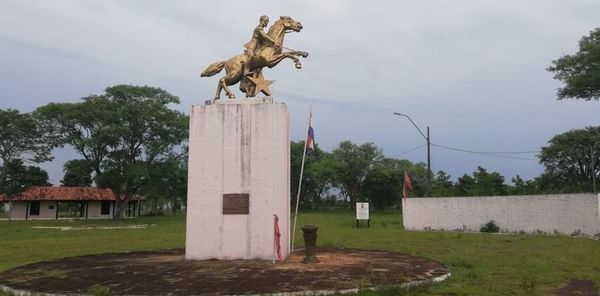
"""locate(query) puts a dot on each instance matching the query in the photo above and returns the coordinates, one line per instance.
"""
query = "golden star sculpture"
(261, 85)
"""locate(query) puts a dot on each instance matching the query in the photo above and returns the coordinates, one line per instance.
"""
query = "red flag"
(277, 237)
(408, 183)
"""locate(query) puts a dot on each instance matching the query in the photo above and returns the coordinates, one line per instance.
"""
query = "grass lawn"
(481, 264)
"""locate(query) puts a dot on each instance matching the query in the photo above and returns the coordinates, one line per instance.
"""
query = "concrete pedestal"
(239, 152)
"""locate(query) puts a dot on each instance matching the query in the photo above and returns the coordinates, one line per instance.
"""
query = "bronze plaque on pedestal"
(236, 203)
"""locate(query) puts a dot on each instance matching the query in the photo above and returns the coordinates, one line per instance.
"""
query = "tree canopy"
(120, 133)
(21, 177)
(352, 165)
(167, 183)
(580, 71)
(22, 138)
(315, 180)
(78, 173)
(573, 158)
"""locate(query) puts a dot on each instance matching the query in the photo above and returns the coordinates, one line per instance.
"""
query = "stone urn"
(310, 243)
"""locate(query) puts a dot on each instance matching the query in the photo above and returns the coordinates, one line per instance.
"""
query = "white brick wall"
(562, 213)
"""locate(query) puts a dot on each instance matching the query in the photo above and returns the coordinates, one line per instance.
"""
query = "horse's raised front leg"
(289, 55)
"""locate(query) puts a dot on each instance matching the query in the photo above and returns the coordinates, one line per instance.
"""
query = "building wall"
(18, 210)
(95, 210)
(238, 146)
(47, 211)
(561, 213)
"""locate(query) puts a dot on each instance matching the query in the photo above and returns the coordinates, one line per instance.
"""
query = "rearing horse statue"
(239, 67)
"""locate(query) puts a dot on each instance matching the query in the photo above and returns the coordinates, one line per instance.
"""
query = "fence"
(552, 214)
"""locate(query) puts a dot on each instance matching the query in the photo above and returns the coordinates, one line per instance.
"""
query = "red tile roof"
(65, 194)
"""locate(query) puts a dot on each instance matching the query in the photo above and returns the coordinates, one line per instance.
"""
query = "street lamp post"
(428, 150)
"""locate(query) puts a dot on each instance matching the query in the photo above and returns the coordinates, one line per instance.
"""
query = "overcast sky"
(474, 71)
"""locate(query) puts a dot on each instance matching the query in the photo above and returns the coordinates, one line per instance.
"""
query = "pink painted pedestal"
(238, 146)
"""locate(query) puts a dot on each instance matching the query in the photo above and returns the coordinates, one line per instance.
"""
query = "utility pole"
(428, 139)
(428, 163)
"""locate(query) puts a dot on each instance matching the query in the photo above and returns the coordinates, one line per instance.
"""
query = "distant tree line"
(130, 141)
(352, 173)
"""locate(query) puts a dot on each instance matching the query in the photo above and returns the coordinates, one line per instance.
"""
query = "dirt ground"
(167, 272)
(577, 287)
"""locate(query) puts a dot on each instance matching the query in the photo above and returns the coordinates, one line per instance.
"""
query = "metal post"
(593, 169)
(299, 187)
(428, 150)
(428, 164)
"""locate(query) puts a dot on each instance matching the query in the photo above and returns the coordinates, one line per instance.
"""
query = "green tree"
(22, 138)
(323, 173)
(488, 184)
(523, 187)
(167, 183)
(352, 164)
(383, 186)
(442, 185)
(417, 173)
(572, 159)
(581, 71)
(78, 173)
(21, 177)
(548, 183)
(314, 182)
(464, 186)
(121, 133)
(481, 183)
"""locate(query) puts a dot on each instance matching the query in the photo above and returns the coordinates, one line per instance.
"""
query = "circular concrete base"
(167, 272)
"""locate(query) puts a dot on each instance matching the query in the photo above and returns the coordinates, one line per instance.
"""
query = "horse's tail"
(213, 69)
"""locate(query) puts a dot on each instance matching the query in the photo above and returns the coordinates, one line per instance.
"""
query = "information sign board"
(362, 211)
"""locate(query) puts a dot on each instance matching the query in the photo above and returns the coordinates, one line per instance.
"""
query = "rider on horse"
(259, 38)
(263, 50)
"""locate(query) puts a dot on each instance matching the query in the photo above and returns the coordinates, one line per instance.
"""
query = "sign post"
(362, 213)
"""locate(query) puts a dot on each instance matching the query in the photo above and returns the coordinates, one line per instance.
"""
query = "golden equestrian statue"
(263, 50)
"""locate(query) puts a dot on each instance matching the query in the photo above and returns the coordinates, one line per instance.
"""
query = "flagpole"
(300, 186)
(273, 180)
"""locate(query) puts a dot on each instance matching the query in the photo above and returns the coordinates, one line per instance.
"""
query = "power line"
(491, 154)
(409, 150)
(486, 152)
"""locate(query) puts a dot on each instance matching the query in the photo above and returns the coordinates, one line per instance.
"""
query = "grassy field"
(481, 264)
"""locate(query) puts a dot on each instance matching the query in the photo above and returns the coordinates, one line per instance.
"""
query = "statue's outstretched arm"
(264, 35)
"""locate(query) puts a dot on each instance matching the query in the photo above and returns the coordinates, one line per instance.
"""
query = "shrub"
(99, 290)
(490, 227)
